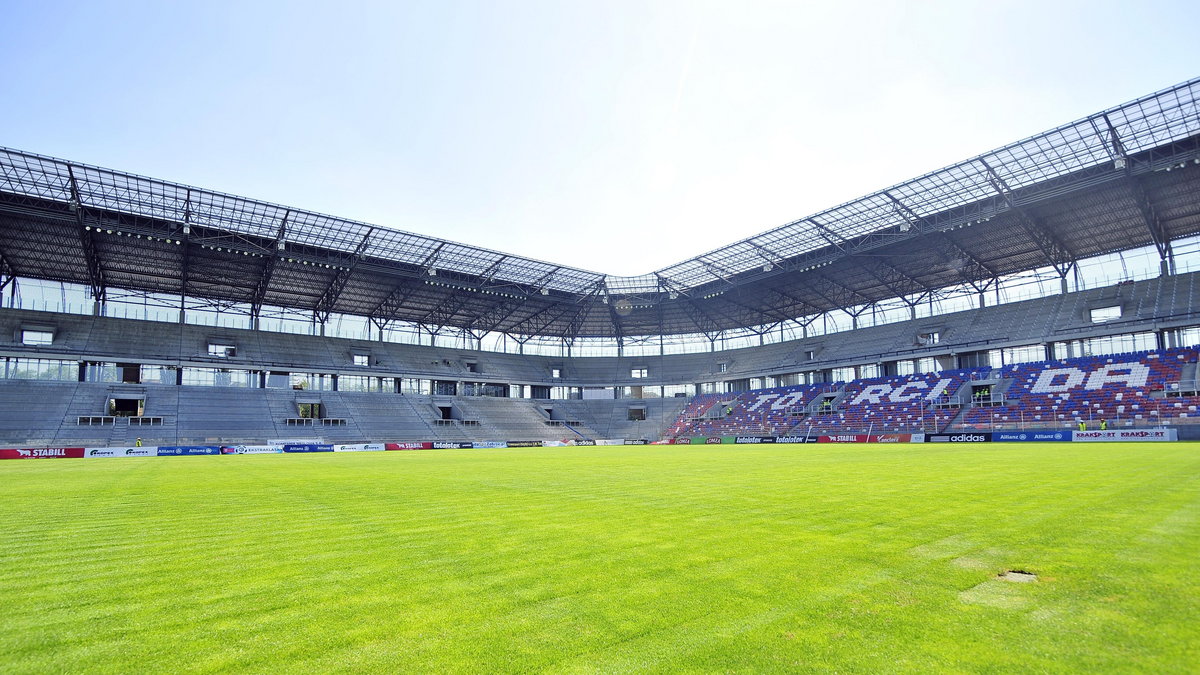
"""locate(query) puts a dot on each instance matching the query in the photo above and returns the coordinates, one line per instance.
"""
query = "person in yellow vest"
(138, 443)
(1103, 425)
(1082, 425)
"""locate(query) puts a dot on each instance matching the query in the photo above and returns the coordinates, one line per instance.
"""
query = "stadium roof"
(1098, 185)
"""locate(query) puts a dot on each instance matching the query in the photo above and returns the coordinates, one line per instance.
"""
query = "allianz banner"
(1029, 436)
(179, 450)
(124, 451)
(1127, 435)
(40, 453)
(309, 447)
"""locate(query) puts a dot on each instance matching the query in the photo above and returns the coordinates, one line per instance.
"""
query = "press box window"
(556, 373)
(639, 373)
(361, 359)
(1103, 314)
(221, 350)
(36, 337)
(722, 367)
(930, 338)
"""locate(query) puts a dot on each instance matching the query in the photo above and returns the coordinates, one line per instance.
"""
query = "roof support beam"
(95, 267)
(329, 298)
(1053, 250)
(268, 269)
(1158, 233)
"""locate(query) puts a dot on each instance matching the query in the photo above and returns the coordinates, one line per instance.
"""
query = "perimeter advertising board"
(308, 447)
(41, 453)
(124, 451)
(408, 445)
(1030, 436)
(179, 450)
(1126, 435)
(981, 437)
(359, 447)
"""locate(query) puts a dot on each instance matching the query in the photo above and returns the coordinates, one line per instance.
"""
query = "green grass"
(695, 559)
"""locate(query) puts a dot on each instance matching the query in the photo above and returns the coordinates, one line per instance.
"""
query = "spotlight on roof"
(1119, 163)
(545, 291)
(432, 272)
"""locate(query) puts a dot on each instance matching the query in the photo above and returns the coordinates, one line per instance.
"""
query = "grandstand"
(964, 299)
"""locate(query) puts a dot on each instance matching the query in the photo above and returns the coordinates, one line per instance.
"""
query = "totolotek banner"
(1126, 435)
(453, 445)
(41, 453)
(971, 437)
(741, 440)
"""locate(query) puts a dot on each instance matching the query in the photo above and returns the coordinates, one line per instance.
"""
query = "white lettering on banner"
(788, 400)
(761, 399)
(872, 393)
(1127, 435)
(1135, 376)
(900, 396)
(1046, 380)
(938, 389)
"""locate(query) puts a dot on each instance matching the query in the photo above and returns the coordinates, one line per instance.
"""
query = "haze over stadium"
(619, 137)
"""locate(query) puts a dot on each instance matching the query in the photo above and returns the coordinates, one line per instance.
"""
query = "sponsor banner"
(753, 439)
(797, 439)
(585, 441)
(40, 453)
(490, 445)
(916, 438)
(713, 440)
(843, 438)
(250, 449)
(680, 441)
(1040, 436)
(891, 438)
(981, 437)
(408, 445)
(178, 450)
(610, 441)
(452, 445)
(308, 447)
(294, 441)
(523, 444)
(636, 441)
(359, 447)
(123, 451)
(557, 444)
(1127, 435)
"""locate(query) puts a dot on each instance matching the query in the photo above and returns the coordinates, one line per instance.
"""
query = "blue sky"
(616, 136)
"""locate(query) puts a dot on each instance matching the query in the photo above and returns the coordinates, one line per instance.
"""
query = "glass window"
(1102, 314)
(221, 350)
(638, 373)
(361, 359)
(36, 337)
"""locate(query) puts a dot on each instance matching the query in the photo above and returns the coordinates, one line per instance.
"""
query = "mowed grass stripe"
(606, 559)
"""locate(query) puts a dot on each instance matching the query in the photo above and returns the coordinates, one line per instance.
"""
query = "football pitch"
(847, 558)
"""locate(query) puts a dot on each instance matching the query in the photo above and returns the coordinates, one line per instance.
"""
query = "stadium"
(1012, 305)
